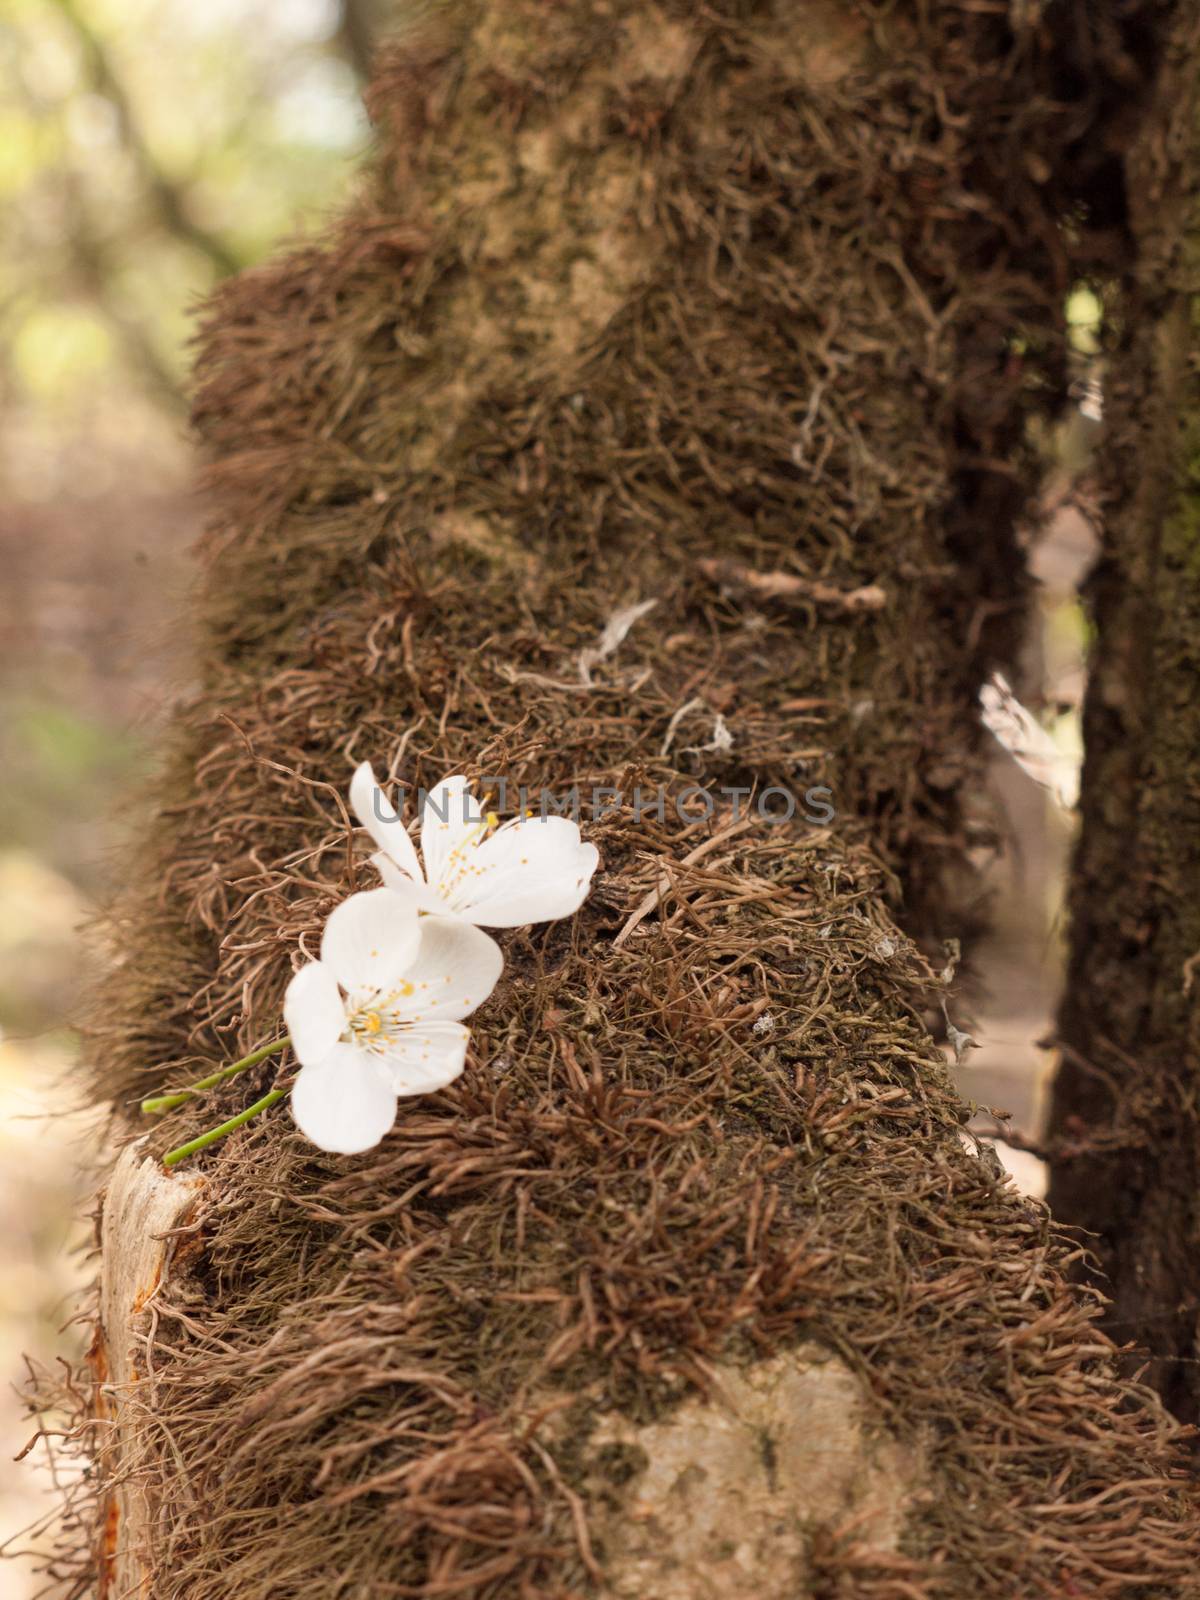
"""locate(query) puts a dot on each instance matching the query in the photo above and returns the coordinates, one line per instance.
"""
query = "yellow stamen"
(374, 1022)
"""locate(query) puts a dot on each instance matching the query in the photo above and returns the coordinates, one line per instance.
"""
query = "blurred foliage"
(1085, 319)
(66, 768)
(147, 148)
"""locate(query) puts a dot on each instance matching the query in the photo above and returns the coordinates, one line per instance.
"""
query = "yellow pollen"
(404, 987)
(374, 1022)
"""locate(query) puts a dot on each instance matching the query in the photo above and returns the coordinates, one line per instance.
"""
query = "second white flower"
(379, 1016)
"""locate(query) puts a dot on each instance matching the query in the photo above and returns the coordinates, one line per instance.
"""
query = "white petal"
(370, 939)
(536, 870)
(377, 815)
(1033, 748)
(449, 813)
(427, 1056)
(414, 892)
(313, 1012)
(343, 1103)
(455, 969)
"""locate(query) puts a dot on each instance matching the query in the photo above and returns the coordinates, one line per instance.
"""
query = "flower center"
(375, 1020)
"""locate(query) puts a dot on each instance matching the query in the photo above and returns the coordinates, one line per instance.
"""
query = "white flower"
(396, 1030)
(1033, 749)
(533, 869)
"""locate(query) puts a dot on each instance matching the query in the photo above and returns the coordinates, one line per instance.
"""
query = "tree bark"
(690, 1287)
(1126, 1106)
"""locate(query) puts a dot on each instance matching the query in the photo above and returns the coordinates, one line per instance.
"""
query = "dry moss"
(601, 313)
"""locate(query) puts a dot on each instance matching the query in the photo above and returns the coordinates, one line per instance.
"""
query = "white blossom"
(379, 1016)
(1031, 747)
(493, 874)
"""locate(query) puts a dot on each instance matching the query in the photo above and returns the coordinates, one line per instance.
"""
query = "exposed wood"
(142, 1211)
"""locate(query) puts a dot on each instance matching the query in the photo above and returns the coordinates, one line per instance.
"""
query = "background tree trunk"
(690, 1287)
(1126, 1109)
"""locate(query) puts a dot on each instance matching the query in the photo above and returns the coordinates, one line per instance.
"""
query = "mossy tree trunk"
(690, 1287)
(1126, 1113)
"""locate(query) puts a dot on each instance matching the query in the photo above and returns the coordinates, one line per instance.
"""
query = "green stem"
(159, 1103)
(183, 1151)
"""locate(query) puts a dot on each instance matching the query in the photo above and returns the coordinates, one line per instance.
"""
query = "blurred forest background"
(147, 149)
